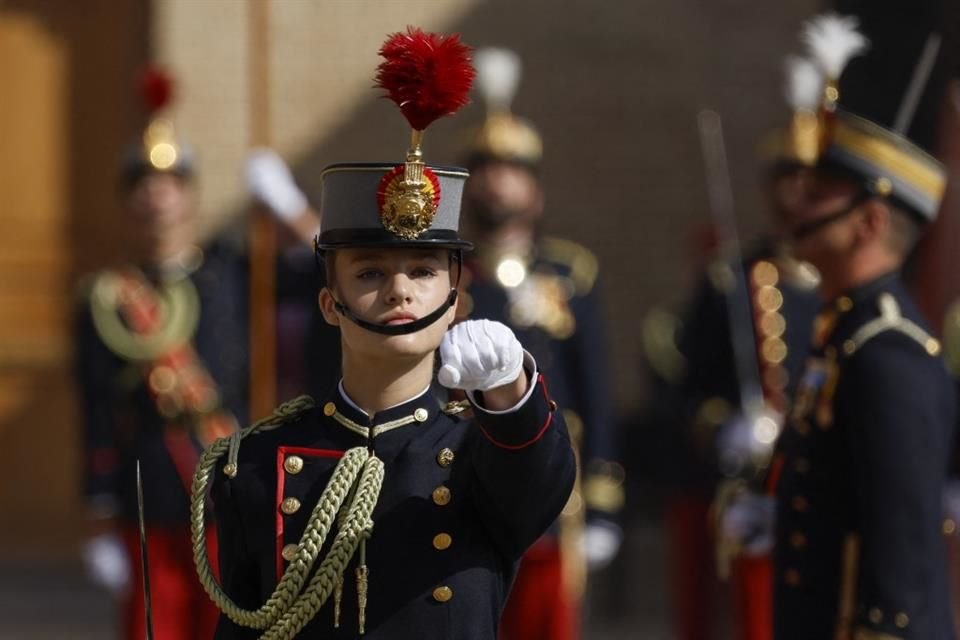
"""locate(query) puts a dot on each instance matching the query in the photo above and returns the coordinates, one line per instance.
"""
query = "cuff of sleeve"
(866, 633)
(529, 364)
(522, 425)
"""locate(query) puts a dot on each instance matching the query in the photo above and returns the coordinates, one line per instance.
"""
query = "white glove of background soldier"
(479, 355)
(269, 180)
(749, 520)
(599, 544)
(107, 564)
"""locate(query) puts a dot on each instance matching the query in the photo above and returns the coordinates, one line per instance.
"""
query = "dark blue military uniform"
(556, 314)
(461, 501)
(121, 420)
(710, 389)
(861, 469)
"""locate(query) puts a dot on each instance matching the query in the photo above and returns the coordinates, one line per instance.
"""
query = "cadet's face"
(500, 192)
(389, 286)
(828, 246)
(160, 201)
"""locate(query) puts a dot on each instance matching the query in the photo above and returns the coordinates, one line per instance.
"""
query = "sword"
(143, 555)
(739, 309)
(734, 462)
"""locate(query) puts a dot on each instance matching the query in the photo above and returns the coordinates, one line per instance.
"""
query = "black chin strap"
(802, 231)
(407, 327)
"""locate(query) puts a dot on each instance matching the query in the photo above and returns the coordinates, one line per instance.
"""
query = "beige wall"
(613, 86)
(320, 58)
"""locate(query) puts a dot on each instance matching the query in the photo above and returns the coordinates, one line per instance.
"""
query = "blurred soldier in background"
(734, 394)
(545, 289)
(162, 368)
(860, 468)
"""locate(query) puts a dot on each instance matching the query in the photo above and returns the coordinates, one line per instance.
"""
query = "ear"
(451, 315)
(539, 201)
(328, 307)
(875, 223)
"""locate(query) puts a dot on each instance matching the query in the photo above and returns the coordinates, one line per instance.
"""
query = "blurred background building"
(614, 88)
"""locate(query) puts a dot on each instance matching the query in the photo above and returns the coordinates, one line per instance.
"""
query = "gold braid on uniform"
(180, 307)
(349, 497)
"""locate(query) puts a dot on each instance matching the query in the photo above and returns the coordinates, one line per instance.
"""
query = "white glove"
(740, 440)
(105, 559)
(599, 544)
(749, 521)
(269, 180)
(479, 355)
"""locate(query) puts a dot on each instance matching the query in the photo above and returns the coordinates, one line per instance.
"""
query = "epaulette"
(287, 412)
(659, 340)
(581, 262)
(603, 486)
(721, 276)
(891, 319)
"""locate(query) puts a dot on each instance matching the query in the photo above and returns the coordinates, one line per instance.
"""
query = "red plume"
(428, 75)
(156, 88)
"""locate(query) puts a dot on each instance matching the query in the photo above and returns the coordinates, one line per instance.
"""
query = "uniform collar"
(869, 290)
(835, 313)
(420, 409)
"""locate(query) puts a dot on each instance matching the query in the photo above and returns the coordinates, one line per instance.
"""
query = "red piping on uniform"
(514, 447)
(282, 453)
(773, 479)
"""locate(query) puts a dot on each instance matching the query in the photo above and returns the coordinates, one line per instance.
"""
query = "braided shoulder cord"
(356, 480)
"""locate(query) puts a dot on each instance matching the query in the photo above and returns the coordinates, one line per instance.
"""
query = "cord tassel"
(363, 574)
(337, 598)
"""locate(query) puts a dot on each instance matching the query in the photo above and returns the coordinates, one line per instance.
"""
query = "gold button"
(901, 620)
(883, 185)
(849, 346)
(798, 540)
(442, 541)
(230, 470)
(445, 457)
(875, 615)
(765, 274)
(844, 303)
(769, 299)
(442, 594)
(293, 464)
(290, 506)
(949, 527)
(441, 496)
(800, 504)
(801, 465)
(932, 345)
(792, 577)
(329, 409)
(163, 379)
(773, 350)
(421, 415)
(289, 552)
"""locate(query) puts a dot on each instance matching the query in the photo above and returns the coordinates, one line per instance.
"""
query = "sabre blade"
(148, 609)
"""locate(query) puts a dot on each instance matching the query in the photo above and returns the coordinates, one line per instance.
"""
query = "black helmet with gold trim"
(158, 150)
(410, 204)
(502, 136)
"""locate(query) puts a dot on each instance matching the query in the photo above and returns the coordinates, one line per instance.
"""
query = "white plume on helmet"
(498, 75)
(832, 40)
